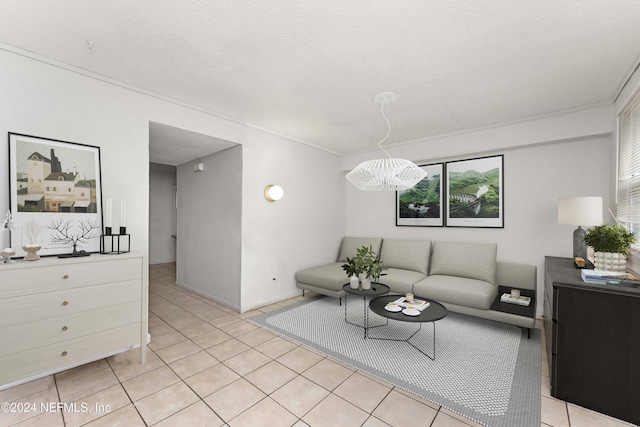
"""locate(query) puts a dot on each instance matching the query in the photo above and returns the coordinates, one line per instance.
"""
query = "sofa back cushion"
(351, 244)
(406, 254)
(471, 260)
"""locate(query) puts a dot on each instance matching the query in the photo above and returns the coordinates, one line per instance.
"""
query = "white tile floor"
(207, 366)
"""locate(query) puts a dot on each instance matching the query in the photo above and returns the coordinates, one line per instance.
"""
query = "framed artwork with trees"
(421, 205)
(475, 192)
(55, 195)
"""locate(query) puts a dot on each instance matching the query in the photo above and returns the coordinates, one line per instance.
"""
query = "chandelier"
(386, 174)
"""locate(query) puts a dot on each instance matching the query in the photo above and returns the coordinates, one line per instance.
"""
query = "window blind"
(628, 189)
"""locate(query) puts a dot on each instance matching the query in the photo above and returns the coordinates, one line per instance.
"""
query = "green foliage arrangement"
(365, 262)
(609, 238)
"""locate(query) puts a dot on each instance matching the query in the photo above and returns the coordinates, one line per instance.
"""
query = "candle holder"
(107, 231)
(115, 244)
(123, 230)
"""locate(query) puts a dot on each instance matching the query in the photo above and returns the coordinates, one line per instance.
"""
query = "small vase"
(354, 282)
(366, 283)
(610, 261)
(32, 252)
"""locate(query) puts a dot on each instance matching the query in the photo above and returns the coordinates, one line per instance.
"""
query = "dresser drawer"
(44, 332)
(60, 355)
(29, 308)
(29, 279)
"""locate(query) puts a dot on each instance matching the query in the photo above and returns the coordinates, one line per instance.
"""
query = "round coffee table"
(433, 313)
(375, 290)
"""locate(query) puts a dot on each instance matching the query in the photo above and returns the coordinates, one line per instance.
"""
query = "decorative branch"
(32, 232)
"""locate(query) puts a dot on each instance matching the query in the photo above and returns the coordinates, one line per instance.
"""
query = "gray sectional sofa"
(463, 276)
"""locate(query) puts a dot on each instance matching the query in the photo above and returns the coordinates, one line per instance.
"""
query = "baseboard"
(162, 262)
(214, 298)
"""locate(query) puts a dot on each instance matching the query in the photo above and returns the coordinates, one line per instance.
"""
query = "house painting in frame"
(475, 192)
(56, 185)
(421, 205)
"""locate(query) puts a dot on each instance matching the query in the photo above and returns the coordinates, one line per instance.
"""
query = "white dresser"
(59, 313)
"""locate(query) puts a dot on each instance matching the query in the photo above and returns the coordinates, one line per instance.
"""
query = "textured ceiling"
(173, 146)
(309, 69)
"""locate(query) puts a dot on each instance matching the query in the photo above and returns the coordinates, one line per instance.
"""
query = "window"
(628, 191)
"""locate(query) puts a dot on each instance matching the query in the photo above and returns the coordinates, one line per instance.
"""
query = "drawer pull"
(66, 276)
(65, 303)
(64, 353)
(64, 328)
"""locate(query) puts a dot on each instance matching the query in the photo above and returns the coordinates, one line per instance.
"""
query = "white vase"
(366, 283)
(610, 261)
(32, 252)
(354, 282)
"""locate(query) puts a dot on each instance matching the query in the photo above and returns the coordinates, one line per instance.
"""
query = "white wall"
(51, 102)
(162, 207)
(301, 230)
(210, 227)
(49, 99)
(535, 177)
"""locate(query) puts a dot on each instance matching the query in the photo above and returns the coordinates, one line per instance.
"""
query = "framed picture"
(55, 193)
(421, 205)
(475, 192)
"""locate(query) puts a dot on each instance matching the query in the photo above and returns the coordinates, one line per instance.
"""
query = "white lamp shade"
(580, 211)
(386, 174)
(273, 193)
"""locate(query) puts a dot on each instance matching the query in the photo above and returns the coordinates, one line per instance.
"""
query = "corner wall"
(210, 227)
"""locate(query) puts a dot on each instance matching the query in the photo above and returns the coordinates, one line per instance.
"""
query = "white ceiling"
(309, 69)
(175, 147)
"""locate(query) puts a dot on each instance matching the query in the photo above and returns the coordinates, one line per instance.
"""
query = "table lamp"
(580, 211)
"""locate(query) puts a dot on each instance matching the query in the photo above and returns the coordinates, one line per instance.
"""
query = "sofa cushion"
(406, 254)
(457, 290)
(350, 245)
(470, 260)
(330, 276)
(401, 281)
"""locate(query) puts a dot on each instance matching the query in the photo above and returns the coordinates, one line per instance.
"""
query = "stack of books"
(416, 303)
(605, 277)
(521, 300)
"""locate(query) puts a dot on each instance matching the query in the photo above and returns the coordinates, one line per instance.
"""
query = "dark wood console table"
(593, 341)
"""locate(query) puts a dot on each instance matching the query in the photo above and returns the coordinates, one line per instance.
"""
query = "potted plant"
(611, 244)
(374, 271)
(364, 265)
(353, 270)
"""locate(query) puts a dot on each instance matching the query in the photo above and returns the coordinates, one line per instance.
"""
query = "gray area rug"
(486, 371)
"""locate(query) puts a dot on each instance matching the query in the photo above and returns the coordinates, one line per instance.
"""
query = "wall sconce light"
(273, 193)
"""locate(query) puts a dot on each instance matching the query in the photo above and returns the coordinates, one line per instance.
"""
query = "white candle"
(108, 215)
(123, 213)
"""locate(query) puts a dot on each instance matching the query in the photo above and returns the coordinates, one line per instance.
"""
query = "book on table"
(605, 277)
(418, 304)
(521, 300)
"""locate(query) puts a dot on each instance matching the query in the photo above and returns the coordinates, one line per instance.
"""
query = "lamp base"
(579, 247)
